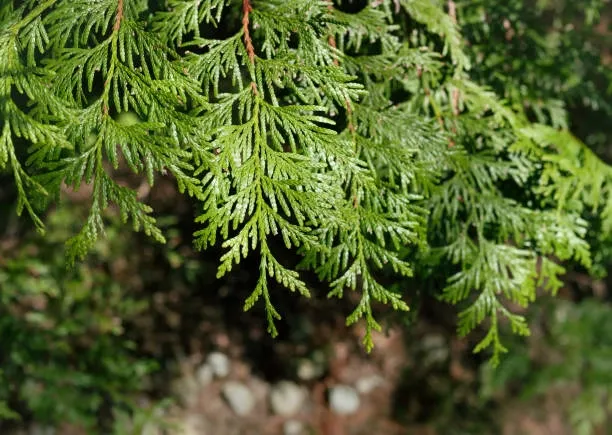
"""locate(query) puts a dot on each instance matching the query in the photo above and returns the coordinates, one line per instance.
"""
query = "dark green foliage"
(64, 354)
(370, 140)
(572, 355)
(552, 63)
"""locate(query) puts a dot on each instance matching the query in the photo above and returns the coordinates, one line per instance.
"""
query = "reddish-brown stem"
(118, 16)
(349, 109)
(248, 43)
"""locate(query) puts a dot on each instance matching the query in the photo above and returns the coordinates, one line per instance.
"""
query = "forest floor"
(420, 379)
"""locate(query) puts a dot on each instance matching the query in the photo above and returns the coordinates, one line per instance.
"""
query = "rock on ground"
(293, 427)
(309, 369)
(205, 374)
(343, 399)
(194, 425)
(219, 363)
(287, 398)
(239, 397)
(367, 384)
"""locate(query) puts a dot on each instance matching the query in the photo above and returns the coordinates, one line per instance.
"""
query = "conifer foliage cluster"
(360, 135)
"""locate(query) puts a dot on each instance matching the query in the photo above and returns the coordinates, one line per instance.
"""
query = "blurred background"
(143, 339)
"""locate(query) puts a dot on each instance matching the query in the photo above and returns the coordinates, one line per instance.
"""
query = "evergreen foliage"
(579, 333)
(364, 138)
(66, 356)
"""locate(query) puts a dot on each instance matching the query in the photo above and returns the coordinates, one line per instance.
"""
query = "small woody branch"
(118, 16)
(248, 43)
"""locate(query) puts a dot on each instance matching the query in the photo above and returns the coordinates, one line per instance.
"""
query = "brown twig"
(248, 43)
(349, 113)
(118, 16)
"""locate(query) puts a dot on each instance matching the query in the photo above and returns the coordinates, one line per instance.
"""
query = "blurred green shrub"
(573, 355)
(64, 354)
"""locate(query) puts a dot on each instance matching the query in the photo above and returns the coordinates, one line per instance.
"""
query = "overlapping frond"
(352, 135)
(103, 65)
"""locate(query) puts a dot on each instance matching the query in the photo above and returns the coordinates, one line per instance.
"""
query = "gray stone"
(367, 384)
(220, 364)
(205, 374)
(194, 424)
(343, 399)
(308, 370)
(287, 398)
(239, 397)
(293, 427)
